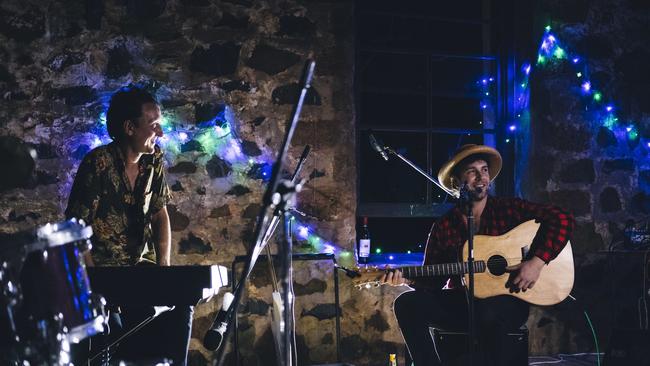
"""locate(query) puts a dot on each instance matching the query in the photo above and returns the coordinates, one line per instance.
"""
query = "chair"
(452, 347)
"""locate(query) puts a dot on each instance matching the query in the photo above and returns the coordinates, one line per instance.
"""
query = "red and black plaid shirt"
(501, 215)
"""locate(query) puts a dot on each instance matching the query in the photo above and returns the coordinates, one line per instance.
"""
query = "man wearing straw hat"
(442, 303)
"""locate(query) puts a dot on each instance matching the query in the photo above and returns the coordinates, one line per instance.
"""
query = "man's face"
(477, 176)
(146, 129)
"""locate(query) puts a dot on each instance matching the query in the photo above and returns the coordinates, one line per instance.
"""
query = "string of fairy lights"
(218, 137)
(599, 105)
(215, 137)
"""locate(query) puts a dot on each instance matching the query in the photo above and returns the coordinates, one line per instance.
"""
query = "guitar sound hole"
(497, 265)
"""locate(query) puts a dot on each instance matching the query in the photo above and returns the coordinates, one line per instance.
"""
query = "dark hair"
(126, 104)
(468, 160)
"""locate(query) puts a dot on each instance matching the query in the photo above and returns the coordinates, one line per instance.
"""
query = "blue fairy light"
(303, 232)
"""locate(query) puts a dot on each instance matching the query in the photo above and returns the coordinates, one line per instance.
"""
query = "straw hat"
(492, 157)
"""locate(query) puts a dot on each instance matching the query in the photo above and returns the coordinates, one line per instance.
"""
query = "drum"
(55, 286)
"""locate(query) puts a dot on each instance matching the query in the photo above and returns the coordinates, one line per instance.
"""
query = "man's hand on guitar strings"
(394, 277)
(525, 274)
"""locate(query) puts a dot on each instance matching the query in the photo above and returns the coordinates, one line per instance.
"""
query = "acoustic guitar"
(492, 254)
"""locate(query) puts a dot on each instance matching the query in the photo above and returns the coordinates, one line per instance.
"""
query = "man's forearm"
(162, 237)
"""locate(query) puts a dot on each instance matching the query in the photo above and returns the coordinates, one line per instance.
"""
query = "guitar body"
(555, 281)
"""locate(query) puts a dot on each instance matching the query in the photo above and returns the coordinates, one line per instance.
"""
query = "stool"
(452, 347)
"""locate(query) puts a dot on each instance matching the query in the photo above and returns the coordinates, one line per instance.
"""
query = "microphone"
(214, 336)
(464, 193)
(467, 193)
(378, 148)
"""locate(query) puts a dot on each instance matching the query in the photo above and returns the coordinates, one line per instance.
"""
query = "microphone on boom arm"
(377, 147)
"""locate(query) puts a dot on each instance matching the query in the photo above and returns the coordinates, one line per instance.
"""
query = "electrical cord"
(593, 331)
(644, 294)
(561, 358)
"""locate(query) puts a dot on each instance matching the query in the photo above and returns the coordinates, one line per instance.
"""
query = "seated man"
(120, 190)
(432, 306)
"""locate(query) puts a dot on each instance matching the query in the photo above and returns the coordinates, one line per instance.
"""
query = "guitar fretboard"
(443, 269)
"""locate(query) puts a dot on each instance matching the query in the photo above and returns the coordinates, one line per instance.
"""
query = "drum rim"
(64, 232)
(83, 331)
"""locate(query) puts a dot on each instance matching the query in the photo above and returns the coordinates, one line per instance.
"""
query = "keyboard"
(156, 285)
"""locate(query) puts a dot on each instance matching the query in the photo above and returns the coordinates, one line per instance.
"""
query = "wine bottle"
(364, 242)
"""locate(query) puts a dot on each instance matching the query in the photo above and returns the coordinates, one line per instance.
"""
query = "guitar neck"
(443, 269)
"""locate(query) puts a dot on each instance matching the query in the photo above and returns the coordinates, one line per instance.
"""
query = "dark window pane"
(465, 113)
(392, 180)
(393, 109)
(466, 9)
(393, 71)
(461, 76)
(433, 35)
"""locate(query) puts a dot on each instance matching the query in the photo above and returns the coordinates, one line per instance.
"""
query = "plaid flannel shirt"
(449, 233)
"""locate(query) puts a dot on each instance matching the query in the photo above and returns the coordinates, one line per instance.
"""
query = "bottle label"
(364, 247)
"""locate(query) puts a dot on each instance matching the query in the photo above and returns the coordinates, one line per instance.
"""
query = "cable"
(642, 301)
(561, 358)
(593, 331)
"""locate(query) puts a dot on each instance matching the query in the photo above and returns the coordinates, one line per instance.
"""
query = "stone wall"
(598, 172)
(234, 65)
(226, 75)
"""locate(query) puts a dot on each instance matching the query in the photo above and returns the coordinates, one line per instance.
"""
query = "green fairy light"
(173, 147)
(378, 250)
(208, 140)
(559, 53)
(166, 123)
(314, 241)
(598, 96)
(548, 28)
(609, 121)
(541, 60)
(579, 74)
(632, 134)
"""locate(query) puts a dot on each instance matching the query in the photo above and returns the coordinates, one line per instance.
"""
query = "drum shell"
(54, 281)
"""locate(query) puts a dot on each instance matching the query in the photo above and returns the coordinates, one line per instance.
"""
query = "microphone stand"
(267, 236)
(465, 197)
(276, 192)
(467, 202)
(419, 170)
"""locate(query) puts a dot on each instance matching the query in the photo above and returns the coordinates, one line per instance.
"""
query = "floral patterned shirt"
(120, 217)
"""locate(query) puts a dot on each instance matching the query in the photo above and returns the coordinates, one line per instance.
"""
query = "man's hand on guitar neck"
(525, 274)
(394, 277)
